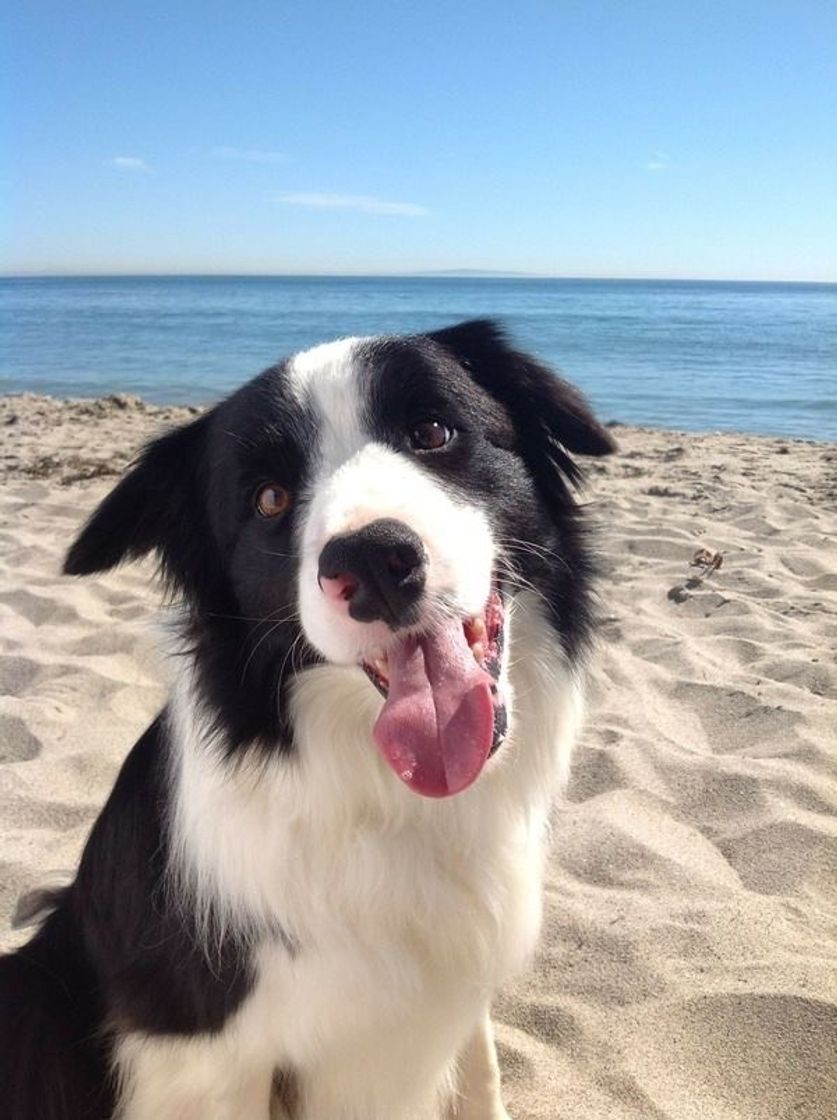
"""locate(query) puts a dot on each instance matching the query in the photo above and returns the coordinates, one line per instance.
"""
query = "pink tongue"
(436, 727)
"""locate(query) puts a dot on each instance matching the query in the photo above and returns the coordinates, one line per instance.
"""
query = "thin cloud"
(658, 162)
(248, 155)
(129, 163)
(364, 204)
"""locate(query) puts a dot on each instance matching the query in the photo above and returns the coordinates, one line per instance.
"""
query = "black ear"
(543, 405)
(158, 505)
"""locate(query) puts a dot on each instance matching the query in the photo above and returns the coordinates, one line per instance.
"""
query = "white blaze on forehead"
(325, 379)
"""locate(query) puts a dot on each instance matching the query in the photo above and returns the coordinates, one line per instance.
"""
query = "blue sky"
(576, 139)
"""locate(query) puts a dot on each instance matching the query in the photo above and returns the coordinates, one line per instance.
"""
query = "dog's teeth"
(478, 650)
(477, 628)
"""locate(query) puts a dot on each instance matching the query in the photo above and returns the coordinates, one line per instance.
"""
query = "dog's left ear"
(159, 505)
(549, 413)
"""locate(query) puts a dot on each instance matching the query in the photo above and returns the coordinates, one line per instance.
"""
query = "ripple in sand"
(786, 856)
(38, 609)
(17, 674)
(17, 743)
(735, 721)
(739, 1057)
(103, 642)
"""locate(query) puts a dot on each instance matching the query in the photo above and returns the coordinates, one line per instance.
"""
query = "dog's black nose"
(379, 570)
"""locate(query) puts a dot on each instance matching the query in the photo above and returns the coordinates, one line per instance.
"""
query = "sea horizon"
(427, 274)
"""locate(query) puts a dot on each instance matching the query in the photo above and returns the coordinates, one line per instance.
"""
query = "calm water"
(753, 357)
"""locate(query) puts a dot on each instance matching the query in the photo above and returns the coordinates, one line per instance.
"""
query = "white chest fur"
(404, 914)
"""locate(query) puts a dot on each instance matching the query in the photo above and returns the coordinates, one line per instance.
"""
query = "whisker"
(279, 555)
(537, 550)
(292, 615)
(290, 654)
(255, 648)
(522, 584)
(242, 617)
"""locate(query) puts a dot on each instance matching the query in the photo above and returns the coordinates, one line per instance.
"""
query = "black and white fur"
(266, 922)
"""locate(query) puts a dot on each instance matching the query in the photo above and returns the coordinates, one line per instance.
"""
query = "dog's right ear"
(549, 411)
(158, 506)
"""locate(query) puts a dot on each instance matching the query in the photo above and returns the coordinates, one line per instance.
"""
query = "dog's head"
(375, 503)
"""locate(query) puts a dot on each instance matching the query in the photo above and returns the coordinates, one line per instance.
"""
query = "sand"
(689, 960)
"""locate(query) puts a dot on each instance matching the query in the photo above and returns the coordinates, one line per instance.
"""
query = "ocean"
(702, 356)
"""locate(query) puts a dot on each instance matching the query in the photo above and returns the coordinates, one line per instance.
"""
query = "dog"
(324, 856)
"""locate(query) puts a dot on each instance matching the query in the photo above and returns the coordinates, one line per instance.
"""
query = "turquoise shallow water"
(679, 354)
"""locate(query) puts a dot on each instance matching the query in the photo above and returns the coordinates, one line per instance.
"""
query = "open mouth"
(444, 714)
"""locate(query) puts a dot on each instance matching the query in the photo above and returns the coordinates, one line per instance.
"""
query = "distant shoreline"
(451, 274)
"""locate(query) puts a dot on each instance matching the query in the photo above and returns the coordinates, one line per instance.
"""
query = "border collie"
(324, 856)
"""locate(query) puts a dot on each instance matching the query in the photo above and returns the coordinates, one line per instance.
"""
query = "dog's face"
(372, 503)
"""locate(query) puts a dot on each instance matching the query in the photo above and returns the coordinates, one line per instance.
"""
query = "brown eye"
(273, 500)
(430, 435)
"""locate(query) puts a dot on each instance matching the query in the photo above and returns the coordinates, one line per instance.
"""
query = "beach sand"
(688, 967)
